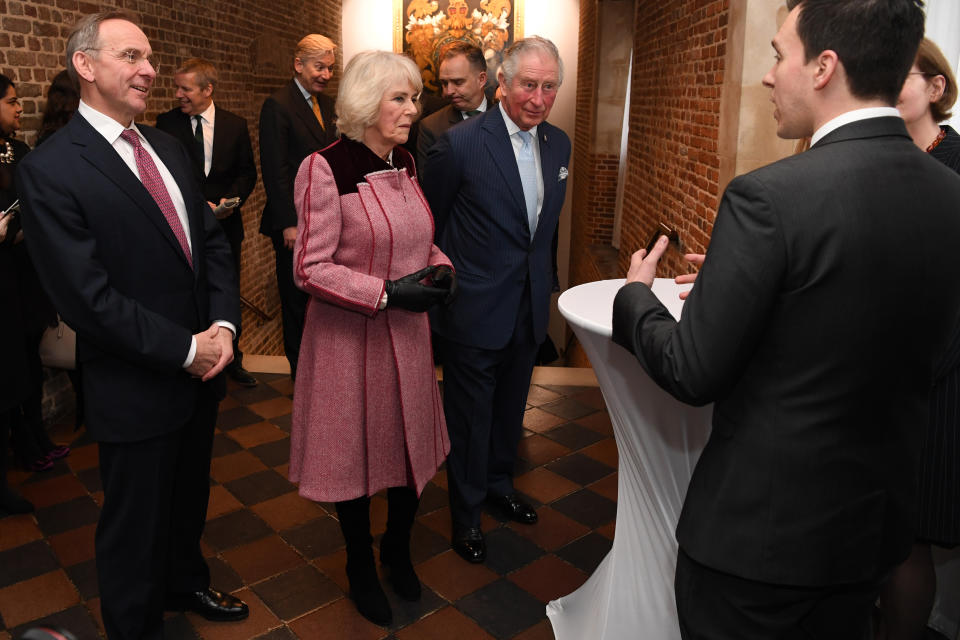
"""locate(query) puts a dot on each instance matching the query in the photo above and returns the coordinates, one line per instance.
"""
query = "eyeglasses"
(133, 57)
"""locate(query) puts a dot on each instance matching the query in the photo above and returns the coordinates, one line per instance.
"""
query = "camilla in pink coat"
(367, 413)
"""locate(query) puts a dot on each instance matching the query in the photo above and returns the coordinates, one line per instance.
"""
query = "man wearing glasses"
(136, 262)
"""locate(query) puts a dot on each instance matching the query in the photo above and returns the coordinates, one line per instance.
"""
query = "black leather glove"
(407, 292)
(446, 278)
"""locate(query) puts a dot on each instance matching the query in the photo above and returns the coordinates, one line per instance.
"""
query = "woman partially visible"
(928, 95)
(62, 101)
(13, 355)
(367, 413)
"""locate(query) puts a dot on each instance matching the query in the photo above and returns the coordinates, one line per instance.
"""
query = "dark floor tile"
(222, 445)
(497, 514)
(521, 466)
(587, 552)
(426, 543)
(273, 454)
(67, 515)
(26, 561)
(587, 507)
(508, 551)
(178, 627)
(234, 529)
(568, 408)
(83, 575)
(284, 421)
(236, 417)
(433, 498)
(297, 591)
(257, 487)
(251, 395)
(81, 438)
(566, 390)
(406, 612)
(280, 633)
(222, 576)
(90, 478)
(488, 606)
(316, 538)
(573, 435)
(59, 468)
(77, 620)
(580, 468)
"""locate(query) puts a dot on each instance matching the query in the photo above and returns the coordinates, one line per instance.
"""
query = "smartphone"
(12, 210)
(226, 207)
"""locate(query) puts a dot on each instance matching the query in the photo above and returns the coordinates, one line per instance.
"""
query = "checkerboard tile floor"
(284, 555)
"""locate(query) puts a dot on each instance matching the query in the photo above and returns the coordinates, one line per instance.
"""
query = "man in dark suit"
(295, 121)
(219, 145)
(496, 184)
(135, 261)
(828, 292)
(463, 77)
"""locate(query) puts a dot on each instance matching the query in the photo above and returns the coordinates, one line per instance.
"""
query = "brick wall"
(678, 73)
(250, 41)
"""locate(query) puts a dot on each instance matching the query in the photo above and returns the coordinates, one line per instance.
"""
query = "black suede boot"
(10, 501)
(365, 589)
(402, 503)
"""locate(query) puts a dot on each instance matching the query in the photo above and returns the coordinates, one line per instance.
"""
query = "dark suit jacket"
(828, 291)
(474, 190)
(117, 274)
(430, 129)
(289, 132)
(233, 173)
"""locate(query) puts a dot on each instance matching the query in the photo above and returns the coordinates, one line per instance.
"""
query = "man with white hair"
(495, 184)
(295, 121)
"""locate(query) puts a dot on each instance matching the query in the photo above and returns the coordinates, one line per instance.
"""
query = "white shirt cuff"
(192, 353)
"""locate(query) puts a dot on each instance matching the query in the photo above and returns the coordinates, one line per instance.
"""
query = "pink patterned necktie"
(150, 177)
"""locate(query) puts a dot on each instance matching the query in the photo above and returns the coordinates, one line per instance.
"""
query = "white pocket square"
(563, 174)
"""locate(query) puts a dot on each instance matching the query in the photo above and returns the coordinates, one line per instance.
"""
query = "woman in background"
(928, 94)
(367, 413)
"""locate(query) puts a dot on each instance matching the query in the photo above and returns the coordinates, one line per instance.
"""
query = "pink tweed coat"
(367, 413)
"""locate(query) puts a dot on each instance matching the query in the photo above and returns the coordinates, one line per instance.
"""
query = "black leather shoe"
(241, 376)
(211, 604)
(514, 508)
(469, 543)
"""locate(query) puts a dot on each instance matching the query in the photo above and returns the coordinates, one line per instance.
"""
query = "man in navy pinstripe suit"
(496, 184)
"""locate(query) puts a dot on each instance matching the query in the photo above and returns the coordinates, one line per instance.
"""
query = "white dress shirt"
(481, 108)
(852, 116)
(517, 143)
(110, 129)
(208, 117)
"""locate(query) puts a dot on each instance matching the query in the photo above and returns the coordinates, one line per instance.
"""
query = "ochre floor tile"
(51, 491)
(543, 630)
(229, 403)
(553, 530)
(36, 598)
(257, 434)
(606, 487)
(337, 620)
(607, 530)
(273, 407)
(451, 577)
(334, 566)
(236, 465)
(548, 578)
(93, 606)
(599, 422)
(83, 458)
(221, 502)
(18, 530)
(439, 521)
(262, 559)
(287, 511)
(74, 546)
(539, 420)
(541, 395)
(592, 397)
(604, 451)
(260, 621)
(543, 485)
(538, 450)
(444, 624)
(283, 385)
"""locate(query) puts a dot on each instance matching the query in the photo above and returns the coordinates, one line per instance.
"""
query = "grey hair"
(314, 46)
(86, 34)
(369, 75)
(511, 57)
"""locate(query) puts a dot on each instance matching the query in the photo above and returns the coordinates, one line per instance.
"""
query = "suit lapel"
(501, 150)
(550, 168)
(453, 115)
(302, 109)
(105, 159)
(220, 137)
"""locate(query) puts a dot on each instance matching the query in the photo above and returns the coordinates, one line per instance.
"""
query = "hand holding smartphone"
(225, 208)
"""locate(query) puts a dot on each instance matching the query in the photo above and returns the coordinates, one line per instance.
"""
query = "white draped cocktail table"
(659, 439)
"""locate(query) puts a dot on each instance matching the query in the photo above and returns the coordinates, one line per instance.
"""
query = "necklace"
(7, 156)
(936, 141)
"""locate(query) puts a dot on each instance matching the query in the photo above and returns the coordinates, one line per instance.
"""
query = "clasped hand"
(408, 292)
(214, 352)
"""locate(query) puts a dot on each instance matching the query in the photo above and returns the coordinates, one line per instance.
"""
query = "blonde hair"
(203, 71)
(368, 76)
(314, 46)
